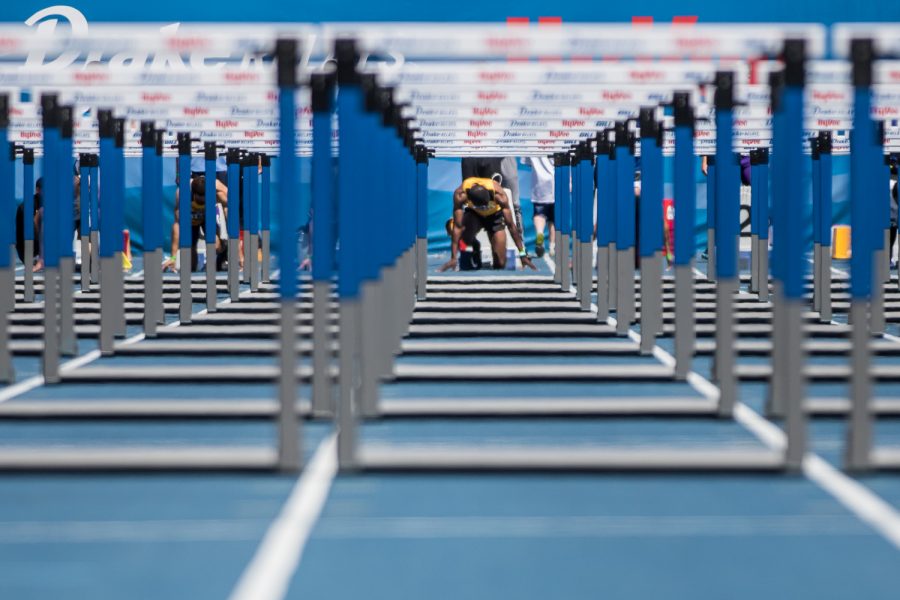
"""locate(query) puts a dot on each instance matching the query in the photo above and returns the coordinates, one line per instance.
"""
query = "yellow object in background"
(840, 242)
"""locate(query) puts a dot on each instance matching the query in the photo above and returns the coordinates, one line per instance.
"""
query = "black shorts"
(481, 167)
(473, 223)
(544, 210)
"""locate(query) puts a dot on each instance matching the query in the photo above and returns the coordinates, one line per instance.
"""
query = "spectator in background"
(20, 226)
(198, 218)
(38, 218)
(542, 199)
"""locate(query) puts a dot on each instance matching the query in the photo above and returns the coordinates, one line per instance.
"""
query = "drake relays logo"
(64, 20)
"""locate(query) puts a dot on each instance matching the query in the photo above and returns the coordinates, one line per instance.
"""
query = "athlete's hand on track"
(169, 266)
(526, 262)
(450, 264)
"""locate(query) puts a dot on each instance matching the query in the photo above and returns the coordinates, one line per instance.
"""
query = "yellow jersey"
(492, 207)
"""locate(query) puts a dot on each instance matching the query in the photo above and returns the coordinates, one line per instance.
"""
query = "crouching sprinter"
(478, 204)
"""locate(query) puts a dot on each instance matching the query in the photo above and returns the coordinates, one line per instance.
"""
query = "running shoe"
(539, 245)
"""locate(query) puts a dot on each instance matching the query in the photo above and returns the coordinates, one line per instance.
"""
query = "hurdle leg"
(754, 263)
(321, 350)
(421, 268)
(185, 307)
(95, 257)
(651, 301)
(118, 291)
(624, 308)
(587, 277)
(390, 332)
(795, 386)
(245, 274)
(886, 258)
(211, 277)
(825, 311)
(576, 266)
(254, 262)
(390, 311)
(68, 343)
(602, 284)
(8, 288)
(368, 349)
(50, 365)
(288, 435)
(152, 291)
(557, 258)
(7, 373)
(234, 267)
(29, 271)
(859, 431)
(711, 254)
(876, 309)
(725, 338)
(775, 400)
(658, 279)
(763, 294)
(85, 263)
(684, 319)
(817, 276)
(613, 275)
(11, 289)
(107, 317)
(346, 418)
(265, 237)
(565, 256)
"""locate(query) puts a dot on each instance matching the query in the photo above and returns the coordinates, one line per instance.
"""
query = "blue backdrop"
(821, 11)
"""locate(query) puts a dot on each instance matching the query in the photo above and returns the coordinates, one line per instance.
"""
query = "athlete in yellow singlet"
(478, 204)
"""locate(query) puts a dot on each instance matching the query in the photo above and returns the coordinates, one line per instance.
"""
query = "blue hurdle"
(209, 222)
(265, 218)
(625, 228)
(606, 224)
(685, 217)
(651, 229)
(232, 222)
(151, 205)
(323, 238)
(68, 344)
(84, 230)
(287, 52)
(50, 236)
(183, 166)
(823, 224)
(7, 269)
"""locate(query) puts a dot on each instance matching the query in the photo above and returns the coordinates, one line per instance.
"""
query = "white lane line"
(854, 496)
(35, 381)
(67, 367)
(857, 498)
(834, 270)
(269, 573)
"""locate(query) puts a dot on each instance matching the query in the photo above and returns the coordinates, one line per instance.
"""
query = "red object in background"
(126, 243)
(669, 228)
